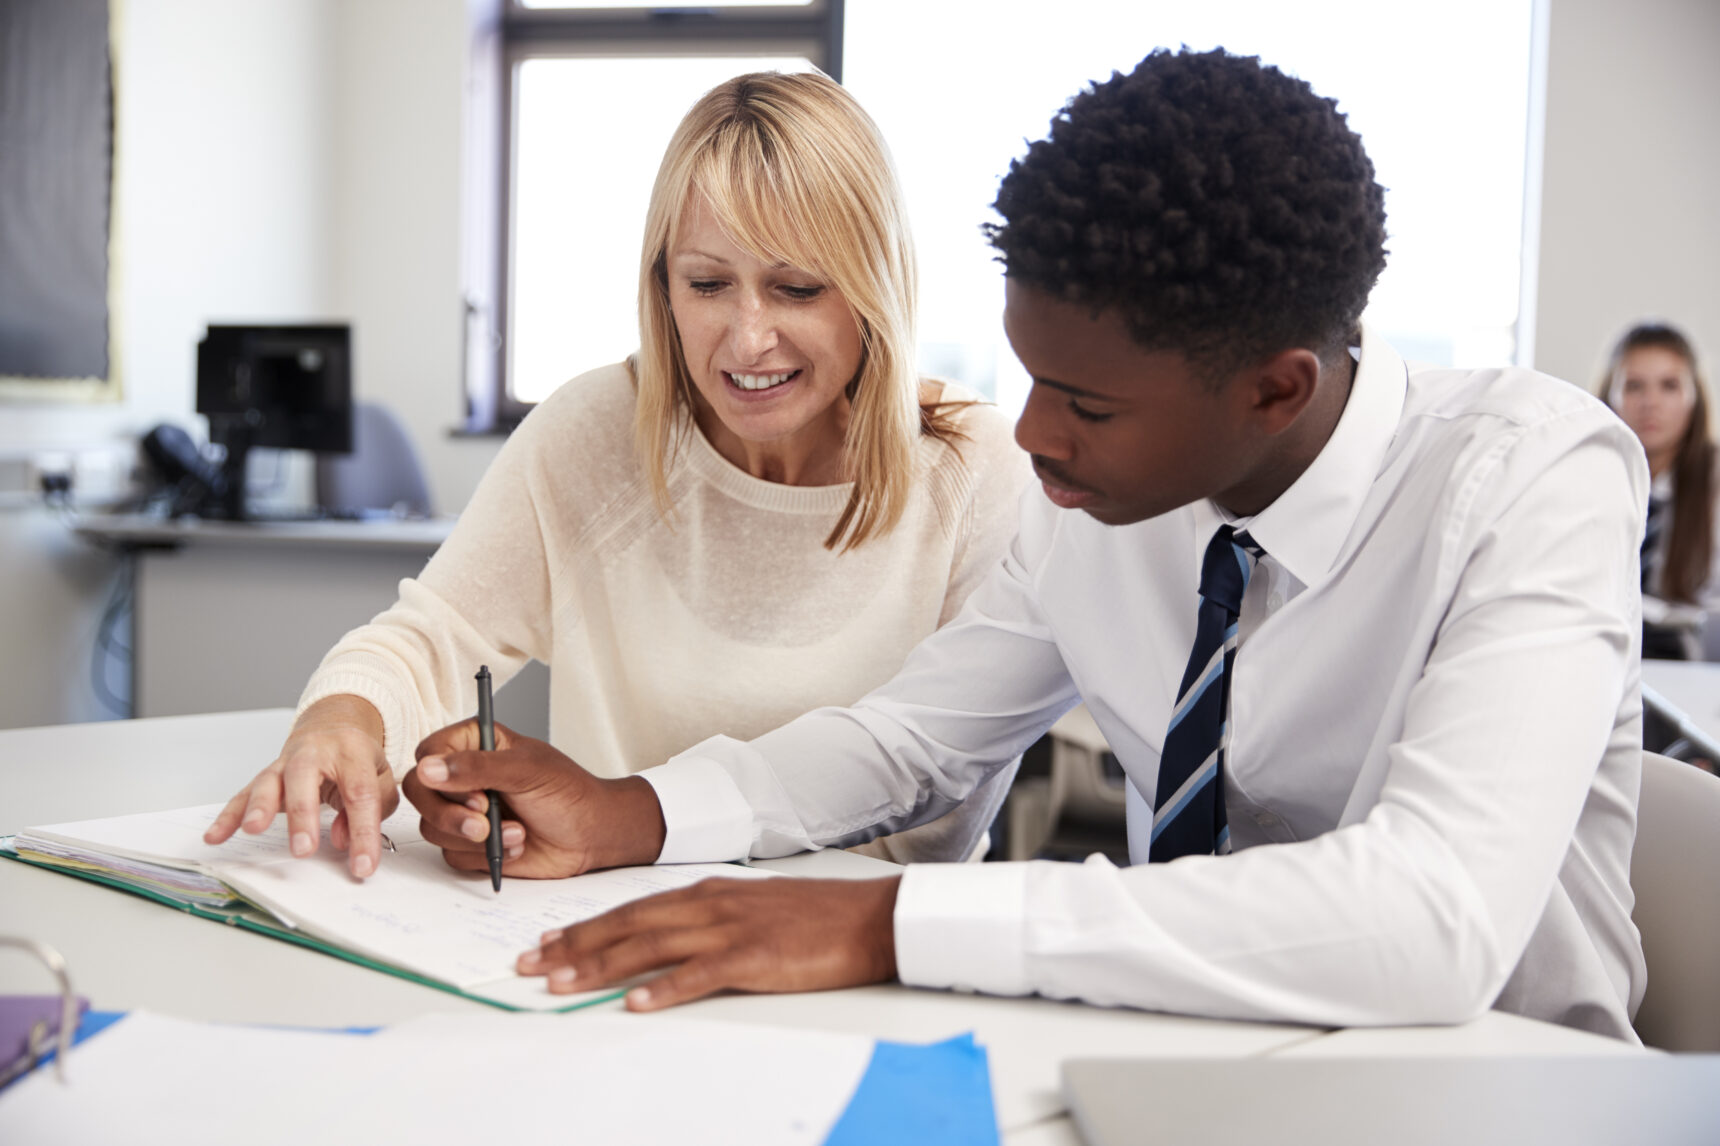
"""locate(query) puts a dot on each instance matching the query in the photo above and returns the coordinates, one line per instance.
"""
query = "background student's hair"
(1690, 537)
(796, 172)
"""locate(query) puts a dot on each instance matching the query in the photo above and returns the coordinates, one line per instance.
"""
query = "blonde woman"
(759, 514)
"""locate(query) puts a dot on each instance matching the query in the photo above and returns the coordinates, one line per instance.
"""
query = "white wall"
(396, 239)
(1630, 225)
(223, 189)
(284, 159)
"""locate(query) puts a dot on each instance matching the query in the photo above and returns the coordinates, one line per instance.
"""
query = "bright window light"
(637, 4)
(1439, 94)
(582, 178)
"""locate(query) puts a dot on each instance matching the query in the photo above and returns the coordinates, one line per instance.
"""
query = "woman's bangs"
(768, 212)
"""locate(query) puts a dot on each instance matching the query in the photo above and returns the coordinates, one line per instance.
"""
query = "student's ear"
(1282, 387)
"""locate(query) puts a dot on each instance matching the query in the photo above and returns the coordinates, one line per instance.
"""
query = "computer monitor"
(281, 387)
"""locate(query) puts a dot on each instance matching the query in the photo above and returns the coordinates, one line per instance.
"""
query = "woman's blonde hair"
(795, 172)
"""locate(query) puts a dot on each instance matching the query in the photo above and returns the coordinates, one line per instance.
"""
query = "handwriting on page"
(419, 914)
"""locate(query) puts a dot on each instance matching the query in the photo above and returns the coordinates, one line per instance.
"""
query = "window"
(591, 95)
(1441, 96)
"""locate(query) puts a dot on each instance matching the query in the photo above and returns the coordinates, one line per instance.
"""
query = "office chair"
(382, 473)
(1675, 872)
(1076, 809)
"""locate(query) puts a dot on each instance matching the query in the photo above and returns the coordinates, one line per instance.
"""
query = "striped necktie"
(1651, 539)
(1188, 815)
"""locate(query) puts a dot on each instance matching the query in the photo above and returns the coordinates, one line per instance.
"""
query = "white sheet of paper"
(610, 1078)
(625, 1078)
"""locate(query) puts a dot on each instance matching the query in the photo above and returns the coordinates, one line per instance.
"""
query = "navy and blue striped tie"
(1651, 539)
(1188, 815)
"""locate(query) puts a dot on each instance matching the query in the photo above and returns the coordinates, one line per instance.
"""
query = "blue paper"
(921, 1094)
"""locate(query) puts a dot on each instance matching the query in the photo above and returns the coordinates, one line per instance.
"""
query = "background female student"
(759, 514)
(1653, 383)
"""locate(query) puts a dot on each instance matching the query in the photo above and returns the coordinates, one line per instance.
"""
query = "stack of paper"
(175, 878)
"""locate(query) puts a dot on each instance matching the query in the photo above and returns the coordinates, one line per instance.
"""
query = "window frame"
(506, 34)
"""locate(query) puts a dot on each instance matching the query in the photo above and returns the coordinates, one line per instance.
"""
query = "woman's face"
(1654, 391)
(771, 349)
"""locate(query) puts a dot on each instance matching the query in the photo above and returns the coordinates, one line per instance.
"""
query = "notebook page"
(174, 839)
(419, 914)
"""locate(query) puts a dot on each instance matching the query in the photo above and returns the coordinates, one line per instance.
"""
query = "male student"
(1363, 637)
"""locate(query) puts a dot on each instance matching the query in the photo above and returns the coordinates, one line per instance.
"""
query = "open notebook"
(415, 917)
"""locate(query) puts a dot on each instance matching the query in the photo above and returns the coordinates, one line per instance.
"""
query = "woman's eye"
(1085, 414)
(802, 293)
(705, 286)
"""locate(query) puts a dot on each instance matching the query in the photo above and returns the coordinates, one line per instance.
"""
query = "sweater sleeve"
(983, 490)
(484, 598)
(996, 471)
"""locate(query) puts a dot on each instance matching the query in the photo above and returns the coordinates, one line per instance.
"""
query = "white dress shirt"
(1435, 719)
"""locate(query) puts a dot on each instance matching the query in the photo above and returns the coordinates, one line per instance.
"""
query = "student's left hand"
(741, 934)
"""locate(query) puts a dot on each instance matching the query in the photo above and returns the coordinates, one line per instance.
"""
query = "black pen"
(487, 742)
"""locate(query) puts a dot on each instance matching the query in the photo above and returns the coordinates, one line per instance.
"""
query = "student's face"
(1120, 432)
(770, 348)
(1654, 391)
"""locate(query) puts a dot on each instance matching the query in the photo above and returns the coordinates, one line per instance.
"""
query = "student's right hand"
(558, 819)
(333, 755)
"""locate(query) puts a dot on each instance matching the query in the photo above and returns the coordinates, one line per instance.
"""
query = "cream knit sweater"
(730, 617)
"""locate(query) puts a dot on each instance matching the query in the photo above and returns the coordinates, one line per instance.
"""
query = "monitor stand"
(228, 501)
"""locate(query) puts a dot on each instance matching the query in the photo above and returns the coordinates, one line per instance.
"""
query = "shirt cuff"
(706, 817)
(961, 926)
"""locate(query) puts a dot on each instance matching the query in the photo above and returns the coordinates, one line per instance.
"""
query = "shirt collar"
(1306, 526)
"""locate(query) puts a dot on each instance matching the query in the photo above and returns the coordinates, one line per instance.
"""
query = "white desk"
(126, 952)
(232, 616)
(1693, 687)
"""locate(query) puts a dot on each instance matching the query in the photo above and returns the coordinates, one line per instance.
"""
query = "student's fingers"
(771, 935)
(468, 840)
(727, 969)
(684, 908)
(457, 840)
(504, 771)
(514, 863)
(445, 817)
(461, 737)
(636, 954)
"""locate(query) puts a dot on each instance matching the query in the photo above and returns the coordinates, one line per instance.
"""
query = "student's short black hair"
(1218, 206)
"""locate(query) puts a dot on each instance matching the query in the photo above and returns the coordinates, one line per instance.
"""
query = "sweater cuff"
(399, 741)
(706, 817)
(961, 926)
